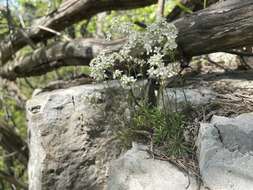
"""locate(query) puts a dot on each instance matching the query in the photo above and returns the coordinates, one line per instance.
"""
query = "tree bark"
(220, 27)
(69, 12)
(223, 26)
(41, 61)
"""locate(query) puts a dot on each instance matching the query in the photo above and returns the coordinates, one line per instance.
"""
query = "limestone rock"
(225, 149)
(136, 170)
(71, 141)
(70, 134)
(226, 59)
(176, 97)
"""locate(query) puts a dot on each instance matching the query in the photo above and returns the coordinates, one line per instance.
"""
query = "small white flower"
(158, 40)
(162, 72)
(156, 59)
(148, 47)
(127, 81)
(116, 74)
(108, 36)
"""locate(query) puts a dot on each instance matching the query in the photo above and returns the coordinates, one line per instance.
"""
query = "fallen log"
(68, 13)
(223, 26)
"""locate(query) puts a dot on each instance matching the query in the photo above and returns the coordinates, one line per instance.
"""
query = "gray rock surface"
(136, 170)
(226, 152)
(71, 144)
(70, 136)
(176, 97)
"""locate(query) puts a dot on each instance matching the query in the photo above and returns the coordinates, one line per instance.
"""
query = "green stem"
(205, 3)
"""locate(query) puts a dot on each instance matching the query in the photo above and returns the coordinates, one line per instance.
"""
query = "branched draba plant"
(148, 55)
(142, 56)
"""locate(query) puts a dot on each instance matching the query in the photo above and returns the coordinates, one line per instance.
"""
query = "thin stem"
(160, 9)
(205, 4)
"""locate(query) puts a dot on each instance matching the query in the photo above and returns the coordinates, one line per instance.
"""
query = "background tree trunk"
(221, 27)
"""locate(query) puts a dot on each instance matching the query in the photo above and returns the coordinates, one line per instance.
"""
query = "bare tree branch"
(41, 61)
(13, 91)
(12, 180)
(69, 12)
(13, 143)
(203, 32)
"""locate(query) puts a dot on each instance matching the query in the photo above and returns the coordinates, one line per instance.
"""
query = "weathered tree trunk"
(220, 27)
(223, 26)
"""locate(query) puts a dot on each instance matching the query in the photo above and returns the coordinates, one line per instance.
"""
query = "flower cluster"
(157, 68)
(102, 63)
(127, 81)
(162, 72)
(161, 33)
(156, 42)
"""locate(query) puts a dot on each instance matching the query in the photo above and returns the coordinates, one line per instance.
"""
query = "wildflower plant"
(143, 55)
(146, 54)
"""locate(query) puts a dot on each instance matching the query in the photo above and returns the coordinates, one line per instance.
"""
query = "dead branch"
(69, 12)
(222, 26)
(13, 143)
(73, 53)
(12, 180)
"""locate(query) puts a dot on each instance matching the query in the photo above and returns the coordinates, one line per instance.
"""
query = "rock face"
(194, 96)
(70, 137)
(136, 170)
(71, 141)
(226, 152)
(72, 146)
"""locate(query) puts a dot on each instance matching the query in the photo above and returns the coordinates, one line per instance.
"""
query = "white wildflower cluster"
(117, 74)
(123, 28)
(127, 81)
(161, 33)
(158, 69)
(94, 97)
(162, 72)
(101, 64)
(134, 42)
(156, 59)
(158, 40)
